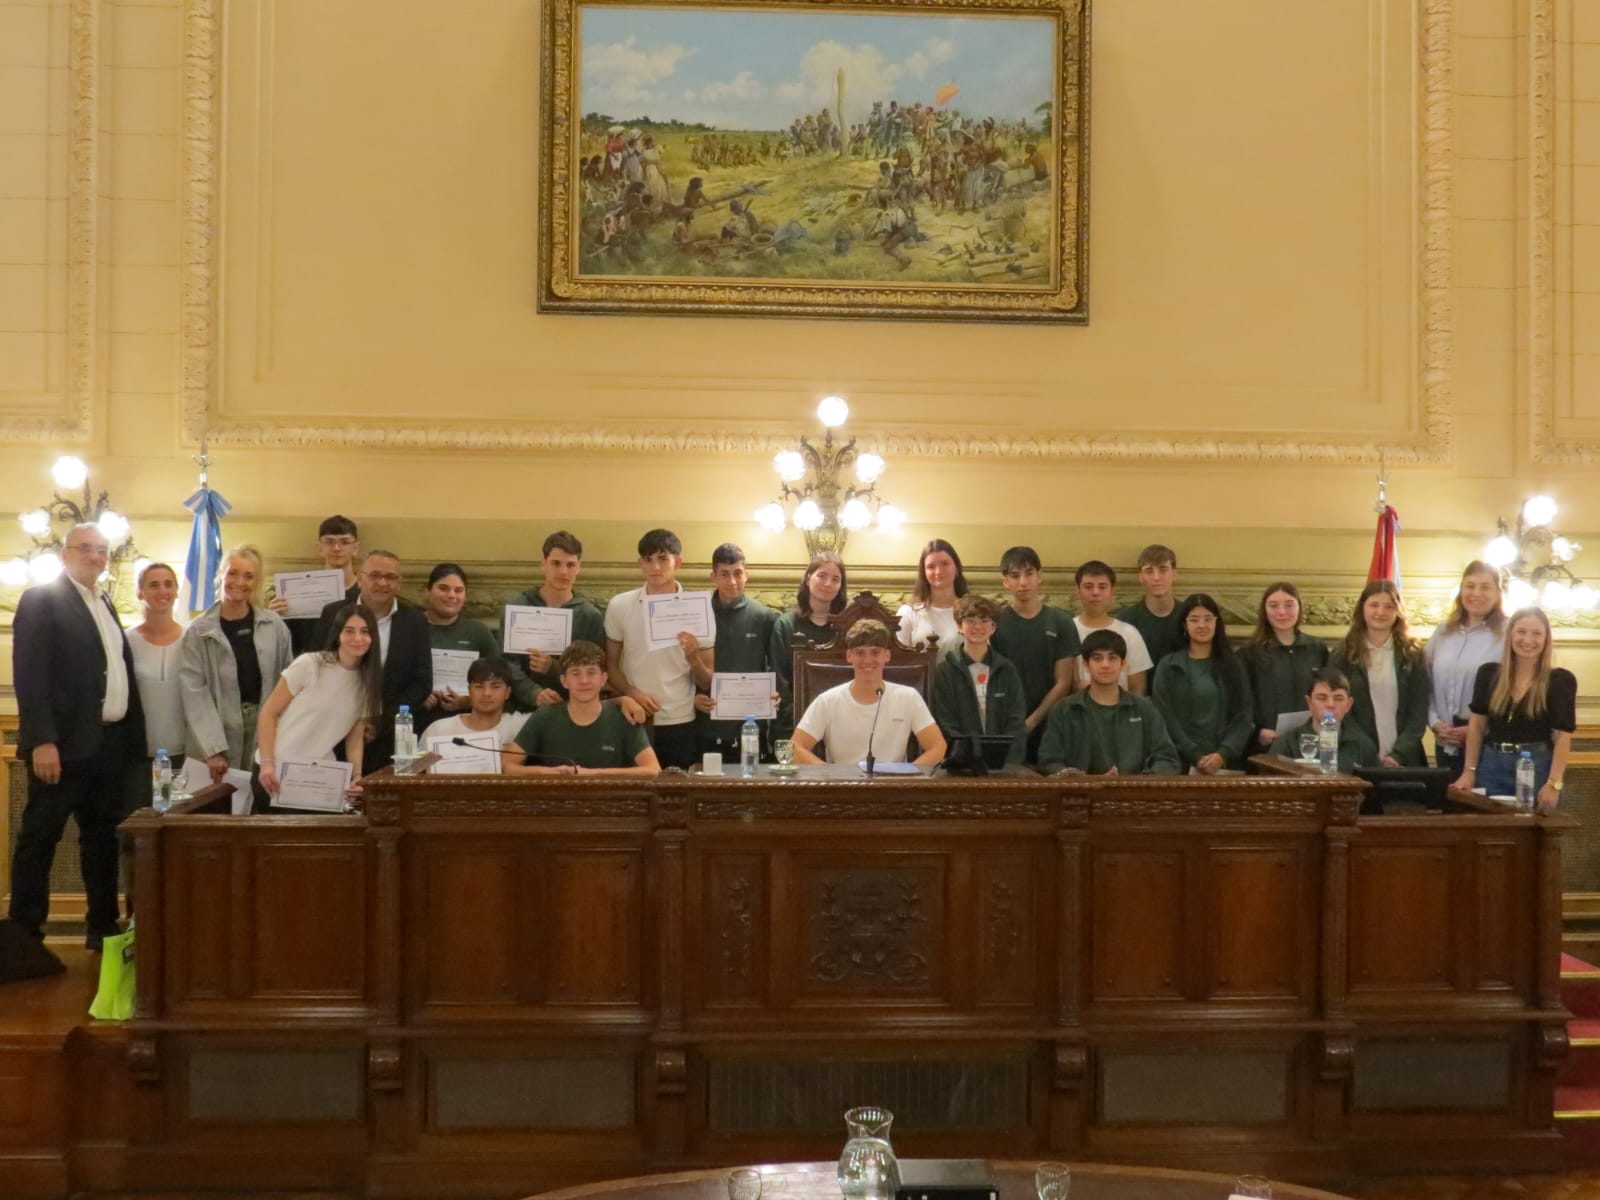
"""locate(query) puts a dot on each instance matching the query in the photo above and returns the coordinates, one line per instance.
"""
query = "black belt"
(1515, 747)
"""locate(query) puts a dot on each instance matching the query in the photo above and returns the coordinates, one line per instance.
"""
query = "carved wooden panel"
(733, 930)
(201, 919)
(469, 959)
(1006, 900)
(1137, 925)
(1401, 918)
(1501, 914)
(873, 928)
(593, 924)
(309, 921)
(1255, 923)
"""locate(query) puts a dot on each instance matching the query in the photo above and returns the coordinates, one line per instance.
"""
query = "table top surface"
(1012, 1179)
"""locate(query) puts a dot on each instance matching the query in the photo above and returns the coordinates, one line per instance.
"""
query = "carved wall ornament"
(737, 936)
(1002, 927)
(869, 930)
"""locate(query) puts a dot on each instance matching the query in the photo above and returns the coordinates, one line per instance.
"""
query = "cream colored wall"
(1316, 228)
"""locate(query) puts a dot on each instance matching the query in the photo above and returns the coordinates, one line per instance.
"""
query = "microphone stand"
(872, 759)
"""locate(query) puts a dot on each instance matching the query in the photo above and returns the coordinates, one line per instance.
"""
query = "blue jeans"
(1497, 769)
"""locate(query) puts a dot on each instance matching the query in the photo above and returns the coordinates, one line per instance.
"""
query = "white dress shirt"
(115, 705)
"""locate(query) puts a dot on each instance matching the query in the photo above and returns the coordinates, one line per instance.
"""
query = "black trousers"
(91, 790)
(676, 745)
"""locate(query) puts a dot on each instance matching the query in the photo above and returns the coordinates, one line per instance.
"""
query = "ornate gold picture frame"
(914, 159)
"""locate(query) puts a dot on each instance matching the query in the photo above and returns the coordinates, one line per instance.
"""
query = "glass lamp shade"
(789, 465)
(69, 472)
(890, 518)
(45, 569)
(771, 518)
(833, 411)
(1501, 552)
(1539, 510)
(35, 524)
(14, 572)
(855, 515)
(869, 468)
(114, 525)
(808, 516)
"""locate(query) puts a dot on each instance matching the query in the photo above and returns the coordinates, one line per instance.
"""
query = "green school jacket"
(1411, 707)
(1280, 676)
(1199, 728)
(955, 700)
(1139, 745)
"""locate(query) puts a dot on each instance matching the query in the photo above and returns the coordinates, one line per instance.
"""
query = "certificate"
(667, 616)
(529, 627)
(735, 696)
(475, 754)
(450, 670)
(309, 592)
(317, 785)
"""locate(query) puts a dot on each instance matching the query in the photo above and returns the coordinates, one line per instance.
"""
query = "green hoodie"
(1129, 735)
(955, 700)
(1200, 715)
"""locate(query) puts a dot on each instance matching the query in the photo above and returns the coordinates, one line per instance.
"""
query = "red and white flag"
(1386, 547)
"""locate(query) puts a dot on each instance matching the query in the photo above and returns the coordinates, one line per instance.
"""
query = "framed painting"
(921, 159)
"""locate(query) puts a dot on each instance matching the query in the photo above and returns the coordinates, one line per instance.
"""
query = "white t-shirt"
(919, 622)
(844, 723)
(455, 726)
(1138, 658)
(665, 674)
(327, 703)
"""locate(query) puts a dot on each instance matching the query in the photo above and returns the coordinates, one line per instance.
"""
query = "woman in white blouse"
(1473, 634)
(931, 615)
(154, 643)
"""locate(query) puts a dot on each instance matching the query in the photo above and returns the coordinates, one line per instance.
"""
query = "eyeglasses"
(333, 542)
(382, 577)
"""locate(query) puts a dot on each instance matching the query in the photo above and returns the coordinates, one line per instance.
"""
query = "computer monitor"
(1396, 791)
(973, 755)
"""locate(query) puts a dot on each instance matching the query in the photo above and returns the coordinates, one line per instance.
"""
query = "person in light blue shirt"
(1473, 634)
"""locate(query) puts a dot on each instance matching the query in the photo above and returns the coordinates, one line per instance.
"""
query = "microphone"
(872, 759)
(554, 760)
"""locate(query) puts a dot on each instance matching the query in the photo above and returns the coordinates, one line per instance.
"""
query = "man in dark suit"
(81, 725)
(404, 641)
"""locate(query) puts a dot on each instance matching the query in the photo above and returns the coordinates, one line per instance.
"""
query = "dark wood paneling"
(1403, 891)
(308, 921)
(593, 919)
(1138, 925)
(1256, 923)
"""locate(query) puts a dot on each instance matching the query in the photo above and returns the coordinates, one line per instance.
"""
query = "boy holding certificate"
(560, 560)
(744, 634)
(582, 736)
(659, 669)
(488, 690)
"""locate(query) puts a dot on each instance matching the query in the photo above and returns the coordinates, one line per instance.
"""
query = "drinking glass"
(1308, 745)
(783, 748)
(1052, 1180)
(1257, 1186)
(744, 1184)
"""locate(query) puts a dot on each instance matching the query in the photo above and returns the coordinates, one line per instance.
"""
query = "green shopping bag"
(114, 1000)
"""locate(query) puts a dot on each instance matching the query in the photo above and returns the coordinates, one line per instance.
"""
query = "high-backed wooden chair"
(818, 668)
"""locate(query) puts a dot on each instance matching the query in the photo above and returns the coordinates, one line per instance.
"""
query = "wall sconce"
(1533, 562)
(42, 562)
(826, 509)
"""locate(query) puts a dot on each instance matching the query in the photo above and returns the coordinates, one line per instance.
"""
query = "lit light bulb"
(45, 569)
(1501, 552)
(869, 467)
(1563, 549)
(890, 518)
(14, 572)
(1521, 594)
(771, 517)
(35, 524)
(69, 472)
(855, 515)
(808, 516)
(790, 465)
(833, 412)
(1584, 597)
(1556, 594)
(1539, 510)
(114, 525)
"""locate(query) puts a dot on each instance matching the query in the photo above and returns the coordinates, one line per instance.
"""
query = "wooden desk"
(1014, 1180)
(489, 986)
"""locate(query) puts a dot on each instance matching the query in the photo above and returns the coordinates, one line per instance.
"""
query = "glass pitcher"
(867, 1168)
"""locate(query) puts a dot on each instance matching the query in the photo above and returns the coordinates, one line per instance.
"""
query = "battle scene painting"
(918, 159)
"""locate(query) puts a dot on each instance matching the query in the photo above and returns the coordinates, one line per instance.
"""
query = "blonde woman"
(231, 657)
(1473, 634)
(1522, 703)
(1388, 676)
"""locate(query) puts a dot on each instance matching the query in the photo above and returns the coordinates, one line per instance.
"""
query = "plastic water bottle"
(161, 781)
(1328, 744)
(405, 738)
(749, 747)
(1525, 780)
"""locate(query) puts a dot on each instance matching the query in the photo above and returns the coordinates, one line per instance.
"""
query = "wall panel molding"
(74, 422)
(1431, 315)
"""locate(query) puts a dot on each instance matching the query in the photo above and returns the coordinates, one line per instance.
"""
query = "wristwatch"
(1557, 784)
